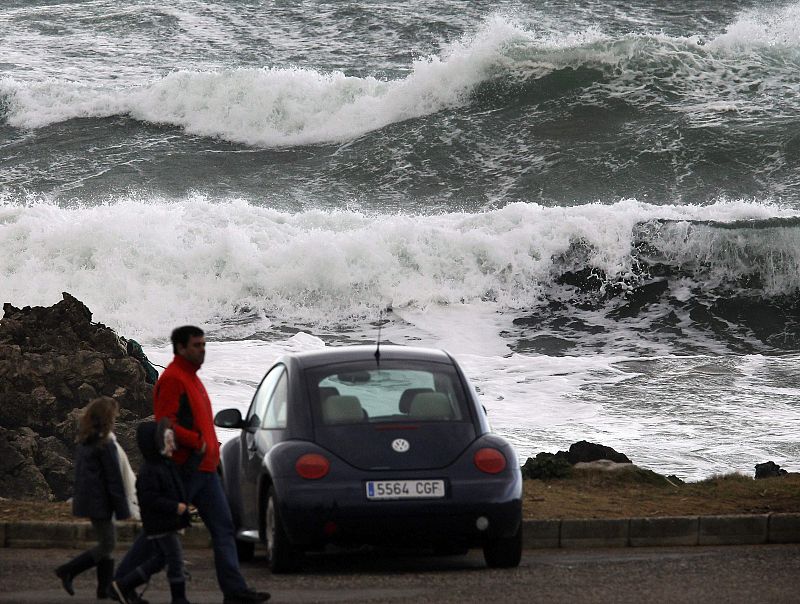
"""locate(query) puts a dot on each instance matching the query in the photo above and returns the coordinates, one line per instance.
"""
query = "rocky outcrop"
(769, 469)
(546, 466)
(584, 451)
(53, 361)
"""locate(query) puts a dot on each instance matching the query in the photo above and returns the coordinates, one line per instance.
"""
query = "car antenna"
(378, 343)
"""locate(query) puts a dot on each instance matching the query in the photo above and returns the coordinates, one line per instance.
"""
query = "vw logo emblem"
(400, 445)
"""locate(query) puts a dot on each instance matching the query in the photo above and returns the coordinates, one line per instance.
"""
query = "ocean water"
(593, 205)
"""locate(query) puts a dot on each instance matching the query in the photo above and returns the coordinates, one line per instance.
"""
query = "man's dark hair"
(181, 335)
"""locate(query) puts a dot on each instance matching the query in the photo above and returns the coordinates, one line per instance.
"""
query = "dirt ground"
(587, 494)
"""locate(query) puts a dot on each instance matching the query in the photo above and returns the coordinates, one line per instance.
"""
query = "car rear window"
(391, 392)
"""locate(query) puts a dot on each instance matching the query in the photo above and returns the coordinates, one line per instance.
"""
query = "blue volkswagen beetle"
(366, 445)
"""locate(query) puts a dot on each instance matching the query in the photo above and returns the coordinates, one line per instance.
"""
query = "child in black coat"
(99, 493)
(164, 511)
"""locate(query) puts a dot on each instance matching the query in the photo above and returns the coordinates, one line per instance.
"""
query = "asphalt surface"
(758, 574)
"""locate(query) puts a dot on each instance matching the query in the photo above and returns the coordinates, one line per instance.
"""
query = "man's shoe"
(247, 596)
(120, 594)
(264, 595)
(117, 593)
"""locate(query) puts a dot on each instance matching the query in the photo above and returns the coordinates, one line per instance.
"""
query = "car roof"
(349, 354)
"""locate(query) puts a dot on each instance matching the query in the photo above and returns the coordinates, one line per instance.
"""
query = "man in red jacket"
(180, 396)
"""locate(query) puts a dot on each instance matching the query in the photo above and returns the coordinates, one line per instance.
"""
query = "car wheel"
(245, 550)
(282, 556)
(504, 552)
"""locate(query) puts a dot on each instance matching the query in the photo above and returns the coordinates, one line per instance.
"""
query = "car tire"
(245, 550)
(282, 556)
(504, 552)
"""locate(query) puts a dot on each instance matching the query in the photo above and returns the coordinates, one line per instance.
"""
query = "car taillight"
(490, 461)
(312, 466)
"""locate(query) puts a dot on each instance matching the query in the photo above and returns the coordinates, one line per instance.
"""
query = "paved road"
(760, 574)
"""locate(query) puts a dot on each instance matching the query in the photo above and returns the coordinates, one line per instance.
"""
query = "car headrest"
(431, 405)
(337, 409)
(408, 396)
(326, 391)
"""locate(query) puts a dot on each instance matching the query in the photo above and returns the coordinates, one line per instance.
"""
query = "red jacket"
(180, 396)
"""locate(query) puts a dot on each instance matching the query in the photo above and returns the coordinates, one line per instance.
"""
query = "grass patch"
(643, 493)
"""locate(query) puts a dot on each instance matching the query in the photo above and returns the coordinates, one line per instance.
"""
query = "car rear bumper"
(469, 514)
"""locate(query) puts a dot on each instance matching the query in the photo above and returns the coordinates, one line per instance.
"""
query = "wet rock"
(53, 361)
(584, 451)
(769, 469)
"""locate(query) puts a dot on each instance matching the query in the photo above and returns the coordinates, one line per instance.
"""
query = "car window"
(276, 409)
(256, 413)
(419, 392)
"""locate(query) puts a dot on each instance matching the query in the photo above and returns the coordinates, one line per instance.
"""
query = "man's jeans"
(204, 490)
(158, 552)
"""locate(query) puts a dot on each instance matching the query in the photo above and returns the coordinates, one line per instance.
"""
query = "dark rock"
(54, 461)
(86, 392)
(34, 467)
(769, 469)
(639, 297)
(586, 451)
(20, 477)
(546, 466)
(53, 361)
(66, 326)
(585, 279)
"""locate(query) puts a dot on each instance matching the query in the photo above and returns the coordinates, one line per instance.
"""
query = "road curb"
(662, 531)
(594, 532)
(675, 530)
(79, 534)
(536, 534)
(784, 528)
(725, 530)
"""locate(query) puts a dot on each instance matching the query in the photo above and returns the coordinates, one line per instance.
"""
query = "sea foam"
(146, 265)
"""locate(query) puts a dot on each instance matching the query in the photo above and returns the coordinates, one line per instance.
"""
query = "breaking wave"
(145, 265)
(743, 72)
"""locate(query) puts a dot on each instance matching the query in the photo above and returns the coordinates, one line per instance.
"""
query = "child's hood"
(150, 438)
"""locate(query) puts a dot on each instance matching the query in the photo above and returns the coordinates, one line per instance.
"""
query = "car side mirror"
(229, 418)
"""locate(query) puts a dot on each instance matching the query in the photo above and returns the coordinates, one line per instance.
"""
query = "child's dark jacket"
(158, 487)
(99, 492)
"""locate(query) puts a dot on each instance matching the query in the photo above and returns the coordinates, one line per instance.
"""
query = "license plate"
(405, 489)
